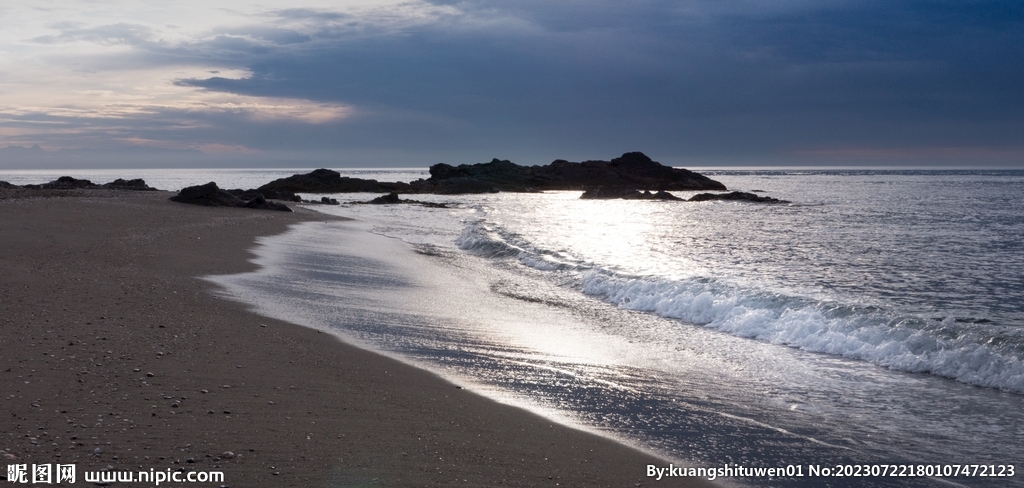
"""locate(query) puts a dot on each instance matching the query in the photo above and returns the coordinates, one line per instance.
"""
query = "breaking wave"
(970, 351)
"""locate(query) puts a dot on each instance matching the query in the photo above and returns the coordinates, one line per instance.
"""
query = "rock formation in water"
(734, 196)
(329, 181)
(211, 196)
(633, 170)
(392, 198)
(629, 193)
(625, 193)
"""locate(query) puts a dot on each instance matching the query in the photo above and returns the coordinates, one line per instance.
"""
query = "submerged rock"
(625, 193)
(609, 193)
(735, 196)
(392, 198)
(211, 196)
(389, 198)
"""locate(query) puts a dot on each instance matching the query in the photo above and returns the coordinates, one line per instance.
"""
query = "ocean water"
(877, 319)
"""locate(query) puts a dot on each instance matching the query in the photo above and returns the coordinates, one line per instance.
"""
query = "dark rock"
(328, 201)
(625, 193)
(4, 184)
(208, 195)
(328, 181)
(491, 177)
(268, 194)
(244, 194)
(392, 198)
(734, 196)
(69, 183)
(664, 195)
(389, 198)
(273, 194)
(610, 193)
(631, 170)
(264, 204)
(455, 186)
(66, 183)
(137, 184)
(212, 196)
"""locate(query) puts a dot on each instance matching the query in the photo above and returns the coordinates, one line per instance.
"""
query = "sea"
(868, 333)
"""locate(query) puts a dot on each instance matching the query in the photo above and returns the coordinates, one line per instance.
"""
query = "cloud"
(702, 81)
(114, 34)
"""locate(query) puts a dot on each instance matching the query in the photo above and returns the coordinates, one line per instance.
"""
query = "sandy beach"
(114, 355)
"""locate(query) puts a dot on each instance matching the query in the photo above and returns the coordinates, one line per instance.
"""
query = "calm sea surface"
(878, 318)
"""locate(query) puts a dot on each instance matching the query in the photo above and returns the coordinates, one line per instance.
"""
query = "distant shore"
(113, 354)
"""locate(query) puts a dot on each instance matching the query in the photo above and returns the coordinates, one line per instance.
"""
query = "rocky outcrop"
(211, 196)
(633, 170)
(328, 181)
(69, 183)
(4, 184)
(66, 183)
(137, 184)
(625, 193)
(734, 196)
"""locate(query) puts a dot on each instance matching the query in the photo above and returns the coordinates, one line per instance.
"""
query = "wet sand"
(113, 354)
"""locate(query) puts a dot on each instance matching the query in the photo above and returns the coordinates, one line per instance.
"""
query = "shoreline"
(110, 340)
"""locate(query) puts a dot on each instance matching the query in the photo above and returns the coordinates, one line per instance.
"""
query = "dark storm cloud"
(686, 80)
(697, 82)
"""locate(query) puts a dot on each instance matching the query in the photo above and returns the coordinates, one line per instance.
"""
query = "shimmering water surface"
(876, 319)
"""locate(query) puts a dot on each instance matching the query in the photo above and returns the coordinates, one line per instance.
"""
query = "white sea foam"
(492, 242)
(984, 355)
(979, 354)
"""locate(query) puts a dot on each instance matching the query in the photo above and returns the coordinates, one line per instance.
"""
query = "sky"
(410, 83)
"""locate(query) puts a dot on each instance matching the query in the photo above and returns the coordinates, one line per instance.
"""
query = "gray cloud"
(114, 34)
(691, 82)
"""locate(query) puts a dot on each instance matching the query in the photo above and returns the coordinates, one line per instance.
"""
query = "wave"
(491, 241)
(970, 351)
(979, 354)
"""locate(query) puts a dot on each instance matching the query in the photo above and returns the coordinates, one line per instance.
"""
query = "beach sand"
(113, 354)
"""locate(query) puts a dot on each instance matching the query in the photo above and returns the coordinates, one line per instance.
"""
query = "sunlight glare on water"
(713, 332)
